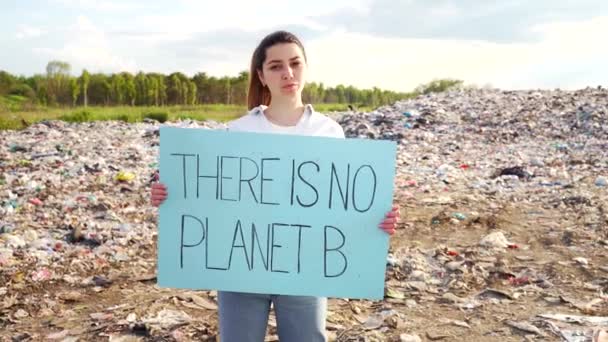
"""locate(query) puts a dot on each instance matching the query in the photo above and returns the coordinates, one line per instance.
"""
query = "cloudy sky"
(391, 44)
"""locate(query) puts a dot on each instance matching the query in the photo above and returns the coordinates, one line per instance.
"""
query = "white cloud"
(496, 21)
(190, 18)
(25, 32)
(343, 42)
(101, 5)
(581, 33)
(402, 64)
(570, 55)
(87, 47)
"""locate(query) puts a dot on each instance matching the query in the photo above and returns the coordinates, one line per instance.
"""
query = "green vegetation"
(218, 112)
(158, 116)
(437, 86)
(57, 95)
(59, 88)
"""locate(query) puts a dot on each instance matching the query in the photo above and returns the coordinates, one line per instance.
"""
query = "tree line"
(57, 87)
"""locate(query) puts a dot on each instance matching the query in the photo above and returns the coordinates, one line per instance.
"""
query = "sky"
(391, 44)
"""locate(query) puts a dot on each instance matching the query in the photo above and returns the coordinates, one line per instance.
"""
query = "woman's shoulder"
(325, 122)
(248, 121)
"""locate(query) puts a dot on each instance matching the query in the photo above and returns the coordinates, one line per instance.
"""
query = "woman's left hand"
(390, 222)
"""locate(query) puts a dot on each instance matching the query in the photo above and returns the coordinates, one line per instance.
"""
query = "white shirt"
(283, 129)
(311, 123)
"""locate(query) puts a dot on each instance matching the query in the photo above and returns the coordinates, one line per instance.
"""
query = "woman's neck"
(285, 112)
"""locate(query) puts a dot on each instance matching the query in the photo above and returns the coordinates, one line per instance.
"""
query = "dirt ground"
(548, 239)
(504, 232)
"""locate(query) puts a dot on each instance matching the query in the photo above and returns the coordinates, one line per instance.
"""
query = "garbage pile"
(494, 142)
(503, 195)
(506, 203)
(500, 116)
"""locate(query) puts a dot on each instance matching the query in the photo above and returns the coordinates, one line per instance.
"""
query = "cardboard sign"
(274, 214)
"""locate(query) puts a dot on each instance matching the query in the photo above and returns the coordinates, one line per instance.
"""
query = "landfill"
(503, 236)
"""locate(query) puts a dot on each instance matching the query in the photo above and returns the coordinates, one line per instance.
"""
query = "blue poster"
(273, 213)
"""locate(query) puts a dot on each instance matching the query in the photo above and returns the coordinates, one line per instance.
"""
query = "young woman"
(277, 77)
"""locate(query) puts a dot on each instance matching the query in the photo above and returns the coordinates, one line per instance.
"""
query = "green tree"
(85, 79)
(118, 89)
(192, 93)
(203, 87)
(162, 89)
(309, 93)
(185, 84)
(57, 87)
(340, 93)
(153, 90)
(41, 89)
(98, 89)
(129, 88)
(23, 89)
(106, 87)
(321, 92)
(141, 90)
(6, 82)
(227, 87)
(437, 86)
(58, 73)
(74, 90)
(238, 89)
(174, 89)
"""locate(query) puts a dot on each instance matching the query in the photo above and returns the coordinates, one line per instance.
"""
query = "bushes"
(23, 90)
(87, 116)
(10, 124)
(438, 86)
(123, 118)
(79, 116)
(158, 116)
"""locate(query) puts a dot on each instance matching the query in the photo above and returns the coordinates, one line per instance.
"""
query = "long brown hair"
(259, 94)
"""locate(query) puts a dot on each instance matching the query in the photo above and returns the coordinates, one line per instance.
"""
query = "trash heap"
(503, 195)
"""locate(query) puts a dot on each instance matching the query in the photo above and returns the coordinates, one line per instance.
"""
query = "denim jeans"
(243, 317)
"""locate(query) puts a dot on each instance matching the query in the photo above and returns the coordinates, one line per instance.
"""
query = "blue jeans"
(243, 317)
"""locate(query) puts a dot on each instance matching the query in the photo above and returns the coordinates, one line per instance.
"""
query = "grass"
(338, 107)
(19, 119)
(12, 103)
(17, 113)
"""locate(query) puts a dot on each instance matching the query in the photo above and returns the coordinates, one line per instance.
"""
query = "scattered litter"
(495, 240)
(409, 338)
(594, 320)
(167, 319)
(476, 169)
(524, 326)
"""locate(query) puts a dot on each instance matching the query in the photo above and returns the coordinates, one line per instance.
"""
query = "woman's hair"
(259, 94)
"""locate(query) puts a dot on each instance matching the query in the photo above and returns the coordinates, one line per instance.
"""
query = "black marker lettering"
(273, 246)
(181, 248)
(222, 178)
(335, 249)
(371, 202)
(312, 187)
(265, 179)
(239, 229)
(241, 179)
(331, 186)
(300, 226)
(217, 183)
(207, 252)
(184, 169)
(293, 178)
(254, 239)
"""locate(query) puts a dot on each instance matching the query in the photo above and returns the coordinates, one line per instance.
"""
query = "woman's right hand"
(159, 194)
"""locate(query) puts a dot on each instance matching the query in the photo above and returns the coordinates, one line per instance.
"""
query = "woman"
(277, 77)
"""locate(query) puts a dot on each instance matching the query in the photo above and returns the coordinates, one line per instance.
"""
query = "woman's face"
(284, 70)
